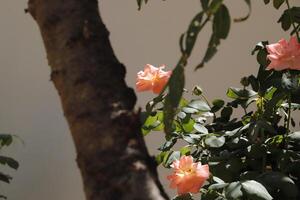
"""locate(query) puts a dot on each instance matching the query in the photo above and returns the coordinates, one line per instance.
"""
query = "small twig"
(289, 114)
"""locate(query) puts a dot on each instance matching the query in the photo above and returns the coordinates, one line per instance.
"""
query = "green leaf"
(269, 93)
(9, 161)
(211, 50)
(168, 145)
(285, 21)
(238, 131)
(276, 140)
(153, 123)
(261, 57)
(139, 2)
(263, 124)
(290, 82)
(226, 113)
(183, 102)
(233, 191)
(279, 185)
(181, 115)
(151, 104)
(271, 105)
(5, 139)
(214, 141)
(294, 137)
(218, 186)
(204, 4)
(221, 27)
(214, 6)
(255, 190)
(161, 157)
(259, 46)
(176, 84)
(191, 138)
(238, 93)
(294, 106)
(192, 33)
(277, 3)
(200, 128)
(5, 178)
(181, 43)
(190, 110)
(217, 105)
(217, 180)
(188, 126)
(254, 83)
(221, 22)
(175, 155)
(256, 151)
(295, 14)
(199, 105)
(266, 1)
(186, 150)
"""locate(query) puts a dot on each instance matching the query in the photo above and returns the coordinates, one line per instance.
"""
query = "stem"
(292, 19)
(244, 107)
(289, 115)
(204, 23)
(285, 118)
(288, 121)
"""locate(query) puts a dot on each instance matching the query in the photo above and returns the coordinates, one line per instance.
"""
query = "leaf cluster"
(255, 156)
(5, 141)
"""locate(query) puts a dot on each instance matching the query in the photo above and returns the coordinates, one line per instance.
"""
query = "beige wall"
(29, 105)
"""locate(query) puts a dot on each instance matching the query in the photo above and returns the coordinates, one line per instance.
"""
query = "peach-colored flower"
(152, 78)
(188, 176)
(284, 54)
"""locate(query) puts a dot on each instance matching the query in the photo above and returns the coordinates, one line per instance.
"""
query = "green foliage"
(255, 190)
(6, 140)
(140, 2)
(216, 12)
(220, 29)
(253, 156)
(290, 16)
(176, 84)
(277, 3)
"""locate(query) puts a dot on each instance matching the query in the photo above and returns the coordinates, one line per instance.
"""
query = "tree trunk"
(98, 105)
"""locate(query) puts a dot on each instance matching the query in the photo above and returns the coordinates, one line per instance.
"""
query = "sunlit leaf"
(255, 190)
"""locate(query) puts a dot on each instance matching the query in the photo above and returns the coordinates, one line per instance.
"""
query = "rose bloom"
(188, 176)
(284, 54)
(152, 78)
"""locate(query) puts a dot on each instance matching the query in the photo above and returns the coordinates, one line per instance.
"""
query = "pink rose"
(188, 176)
(284, 54)
(152, 78)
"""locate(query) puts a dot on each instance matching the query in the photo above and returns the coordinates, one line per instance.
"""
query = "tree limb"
(97, 103)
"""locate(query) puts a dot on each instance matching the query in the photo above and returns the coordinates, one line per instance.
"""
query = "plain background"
(29, 104)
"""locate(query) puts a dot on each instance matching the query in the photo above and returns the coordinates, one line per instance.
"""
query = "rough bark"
(98, 105)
